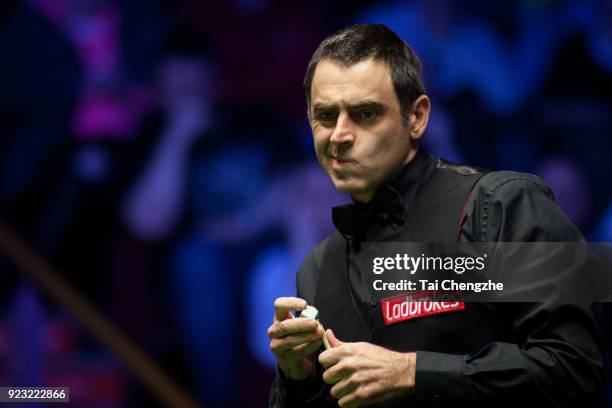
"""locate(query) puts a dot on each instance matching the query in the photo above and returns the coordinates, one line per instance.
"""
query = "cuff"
(439, 379)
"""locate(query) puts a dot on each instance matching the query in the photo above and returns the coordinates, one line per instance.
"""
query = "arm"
(153, 205)
(552, 355)
(555, 355)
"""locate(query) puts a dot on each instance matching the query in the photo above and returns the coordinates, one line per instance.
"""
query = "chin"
(348, 187)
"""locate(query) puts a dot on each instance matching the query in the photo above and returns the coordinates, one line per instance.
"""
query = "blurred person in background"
(61, 177)
(254, 39)
(70, 103)
(186, 169)
(185, 85)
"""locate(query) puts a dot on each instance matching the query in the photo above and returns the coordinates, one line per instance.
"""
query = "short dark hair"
(362, 41)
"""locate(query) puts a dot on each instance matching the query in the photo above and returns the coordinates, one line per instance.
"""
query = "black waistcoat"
(434, 216)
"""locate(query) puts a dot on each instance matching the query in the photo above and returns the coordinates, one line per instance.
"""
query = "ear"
(418, 117)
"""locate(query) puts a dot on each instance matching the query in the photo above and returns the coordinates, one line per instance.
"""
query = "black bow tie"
(354, 219)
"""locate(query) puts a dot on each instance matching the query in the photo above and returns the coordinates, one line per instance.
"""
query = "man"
(368, 110)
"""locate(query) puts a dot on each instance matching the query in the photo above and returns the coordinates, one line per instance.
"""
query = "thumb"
(331, 337)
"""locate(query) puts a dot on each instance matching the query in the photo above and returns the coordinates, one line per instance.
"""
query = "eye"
(365, 115)
(326, 116)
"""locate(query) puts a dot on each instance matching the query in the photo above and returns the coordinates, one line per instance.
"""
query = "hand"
(363, 373)
(188, 120)
(294, 341)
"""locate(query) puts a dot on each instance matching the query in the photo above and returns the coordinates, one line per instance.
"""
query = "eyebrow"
(374, 105)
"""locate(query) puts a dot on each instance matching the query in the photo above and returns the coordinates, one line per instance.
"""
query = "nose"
(344, 132)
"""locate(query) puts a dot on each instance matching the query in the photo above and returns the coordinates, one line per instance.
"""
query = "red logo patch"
(418, 304)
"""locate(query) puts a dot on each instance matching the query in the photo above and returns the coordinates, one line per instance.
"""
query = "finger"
(351, 400)
(283, 305)
(337, 372)
(343, 387)
(363, 395)
(333, 340)
(293, 326)
(318, 336)
(306, 349)
(279, 346)
(330, 357)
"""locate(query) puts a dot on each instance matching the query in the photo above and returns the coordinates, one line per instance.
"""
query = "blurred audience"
(157, 154)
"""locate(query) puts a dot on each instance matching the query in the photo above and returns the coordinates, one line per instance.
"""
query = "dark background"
(157, 155)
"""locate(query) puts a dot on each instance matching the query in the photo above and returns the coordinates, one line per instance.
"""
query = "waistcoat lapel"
(336, 304)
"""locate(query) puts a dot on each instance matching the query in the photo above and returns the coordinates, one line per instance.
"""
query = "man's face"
(355, 116)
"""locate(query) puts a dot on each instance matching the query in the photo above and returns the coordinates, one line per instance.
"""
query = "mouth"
(339, 163)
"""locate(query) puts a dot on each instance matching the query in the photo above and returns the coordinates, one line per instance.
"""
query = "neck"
(363, 198)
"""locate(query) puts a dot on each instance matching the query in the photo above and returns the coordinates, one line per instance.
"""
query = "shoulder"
(515, 206)
(496, 183)
(312, 263)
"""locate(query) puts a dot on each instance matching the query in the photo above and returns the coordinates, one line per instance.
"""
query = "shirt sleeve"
(554, 357)
(311, 392)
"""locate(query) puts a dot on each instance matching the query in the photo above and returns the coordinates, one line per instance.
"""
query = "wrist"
(408, 376)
